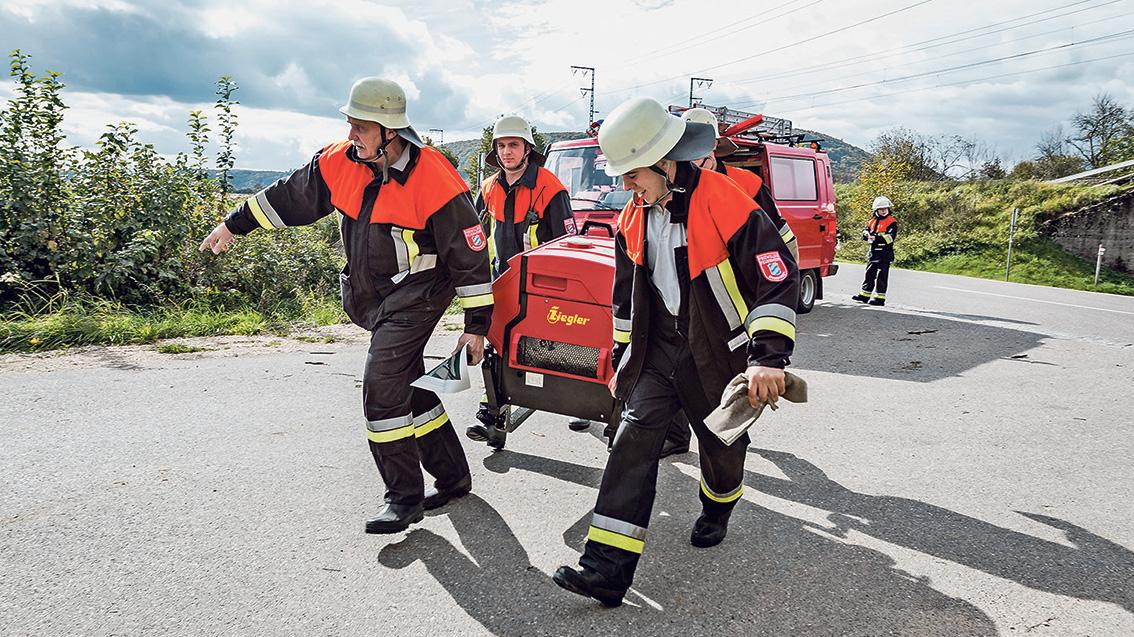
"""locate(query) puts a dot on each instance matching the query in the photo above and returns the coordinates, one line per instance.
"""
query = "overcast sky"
(849, 68)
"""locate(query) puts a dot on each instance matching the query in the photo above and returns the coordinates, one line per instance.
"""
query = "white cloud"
(465, 62)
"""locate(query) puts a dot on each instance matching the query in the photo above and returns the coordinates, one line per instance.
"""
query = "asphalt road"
(964, 467)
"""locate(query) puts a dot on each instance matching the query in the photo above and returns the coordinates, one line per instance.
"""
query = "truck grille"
(565, 358)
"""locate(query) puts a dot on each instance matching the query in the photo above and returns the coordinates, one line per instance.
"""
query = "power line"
(677, 47)
(1098, 40)
(918, 46)
(958, 83)
(994, 45)
(774, 49)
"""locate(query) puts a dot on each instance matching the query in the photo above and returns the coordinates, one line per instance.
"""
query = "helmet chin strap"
(670, 188)
(381, 153)
(523, 165)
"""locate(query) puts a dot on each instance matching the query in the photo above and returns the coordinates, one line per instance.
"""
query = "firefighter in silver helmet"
(413, 242)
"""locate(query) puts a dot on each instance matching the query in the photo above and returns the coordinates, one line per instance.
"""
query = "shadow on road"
(774, 575)
(878, 343)
(1094, 568)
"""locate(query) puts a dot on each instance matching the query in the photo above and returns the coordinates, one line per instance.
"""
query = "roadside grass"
(77, 322)
(1039, 262)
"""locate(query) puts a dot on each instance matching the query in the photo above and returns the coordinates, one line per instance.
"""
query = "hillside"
(846, 159)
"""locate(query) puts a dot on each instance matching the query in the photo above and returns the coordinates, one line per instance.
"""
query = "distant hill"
(250, 181)
(846, 159)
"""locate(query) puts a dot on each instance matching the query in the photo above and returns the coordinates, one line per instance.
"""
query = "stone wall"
(1109, 222)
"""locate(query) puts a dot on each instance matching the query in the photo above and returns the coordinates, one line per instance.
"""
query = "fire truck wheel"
(808, 287)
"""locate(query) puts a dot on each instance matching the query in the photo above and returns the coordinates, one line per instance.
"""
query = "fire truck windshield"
(581, 171)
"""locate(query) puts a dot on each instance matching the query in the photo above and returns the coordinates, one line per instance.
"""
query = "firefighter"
(413, 242)
(704, 289)
(521, 206)
(677, 440)
(881, 231)
(749, 181)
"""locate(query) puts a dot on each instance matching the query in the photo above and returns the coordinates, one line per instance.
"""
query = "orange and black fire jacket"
(739, 306)
(523, 215)
(411, 243)
(884, 231)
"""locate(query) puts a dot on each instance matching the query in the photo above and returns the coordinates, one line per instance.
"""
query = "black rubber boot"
(878, 302)
(489, 430)
(436, 498)
(710, 529)
(589, 583)
(395, 518)
(861, 298)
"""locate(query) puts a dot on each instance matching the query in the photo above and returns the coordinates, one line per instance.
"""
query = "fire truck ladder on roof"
(770, 127)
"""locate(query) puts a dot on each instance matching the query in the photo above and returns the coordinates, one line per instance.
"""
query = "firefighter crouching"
(881, 231)
(677, 440)
(704, 289)
(522, 205)
(413, 242)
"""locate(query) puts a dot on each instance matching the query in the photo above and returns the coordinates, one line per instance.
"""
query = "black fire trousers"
(407, 427)
(668, 382)
(877, 278)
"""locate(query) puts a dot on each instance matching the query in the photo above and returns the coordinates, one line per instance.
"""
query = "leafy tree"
(226, 159)
(991, 170)
(33, 185)
(445, 152)
(1101, 134)
(910, 152)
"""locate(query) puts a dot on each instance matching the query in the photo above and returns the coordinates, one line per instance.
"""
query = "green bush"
(121, 224)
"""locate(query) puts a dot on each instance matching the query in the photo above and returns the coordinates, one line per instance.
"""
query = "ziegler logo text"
(554, 316)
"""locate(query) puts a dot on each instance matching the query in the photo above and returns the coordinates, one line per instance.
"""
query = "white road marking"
(1024, 298)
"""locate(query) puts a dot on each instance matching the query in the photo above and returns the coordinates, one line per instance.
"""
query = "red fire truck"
(797, 171)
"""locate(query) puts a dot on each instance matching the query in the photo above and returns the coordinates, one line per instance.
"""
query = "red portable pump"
(551, 336)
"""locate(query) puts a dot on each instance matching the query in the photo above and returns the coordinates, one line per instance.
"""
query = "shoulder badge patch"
(569, 225)
(772, 266)
(474, 236)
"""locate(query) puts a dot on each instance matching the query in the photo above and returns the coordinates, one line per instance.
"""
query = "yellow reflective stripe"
(411, 247)
(532, 241)
(480, 300)
(258, 212)
(616, 540)
(621, 337)
(772, 324)
(431, 425)
(723, 499)
(786, 233)
(887, 238)
(729, 279)
(880, 296)
(390, 435)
